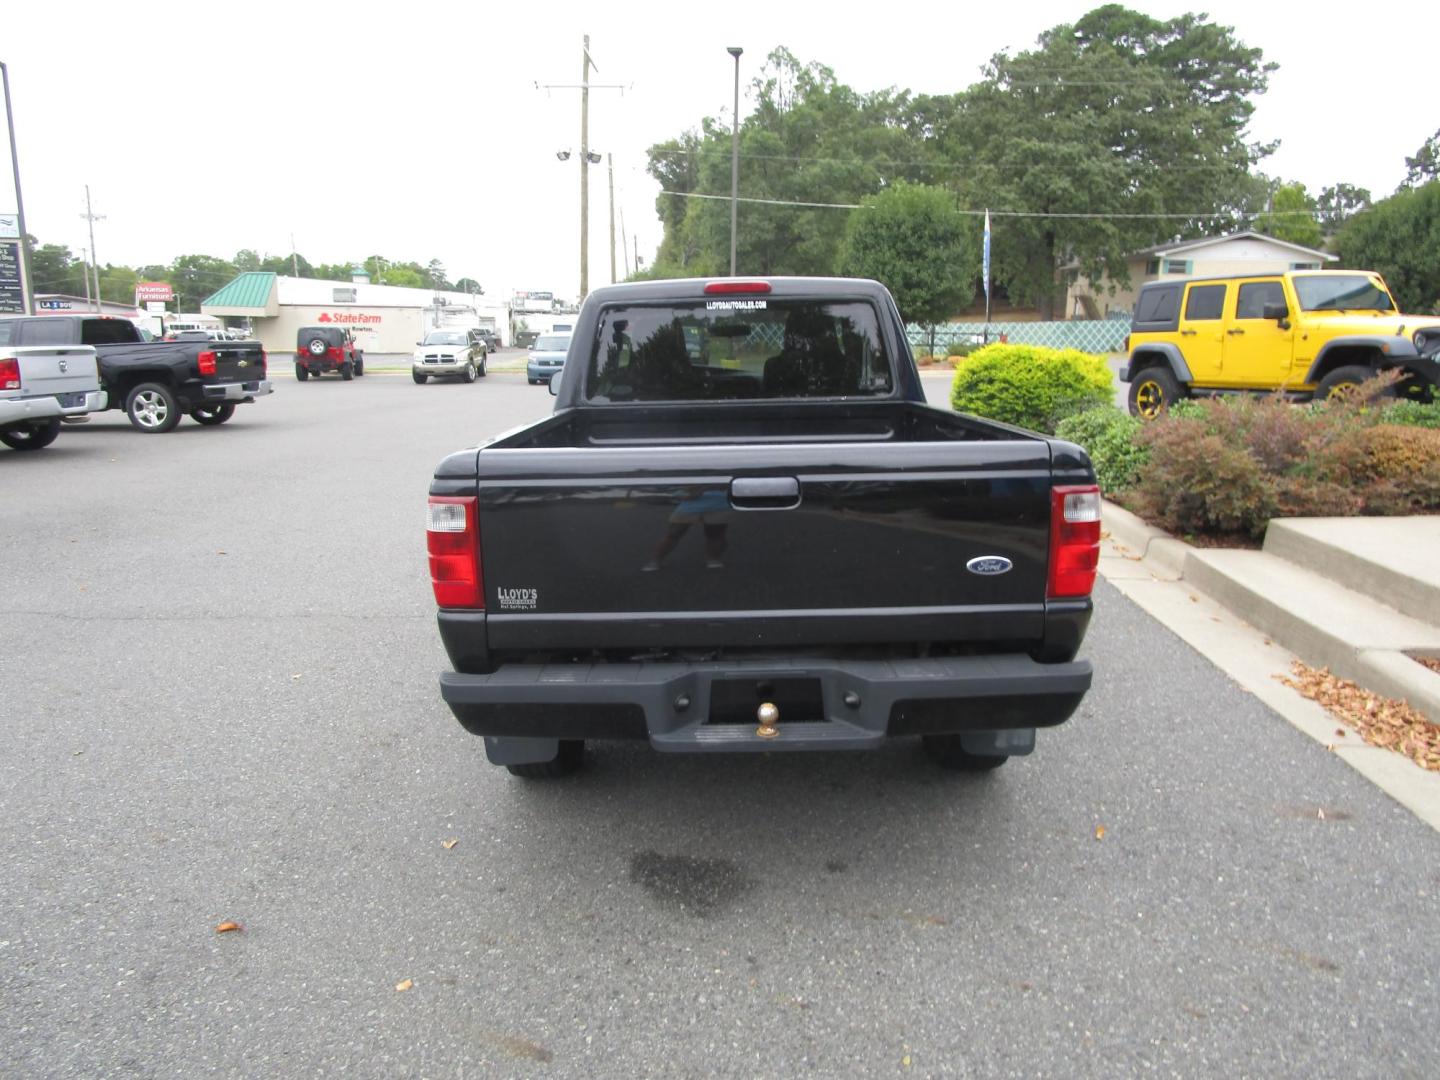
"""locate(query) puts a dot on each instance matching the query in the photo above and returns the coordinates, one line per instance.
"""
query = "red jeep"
(319, 349)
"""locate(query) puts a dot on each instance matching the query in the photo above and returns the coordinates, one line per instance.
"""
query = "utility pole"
(610, 164)
(624, 243)
(93, 217)
(85, 258)
(294, 259)
(586, 158)
(27, 289)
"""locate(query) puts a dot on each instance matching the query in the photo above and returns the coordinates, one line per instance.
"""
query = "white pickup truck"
(40, 385)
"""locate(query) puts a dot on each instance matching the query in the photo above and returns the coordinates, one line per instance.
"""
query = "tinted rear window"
(734, 348)
(1158, 305)
(1205, 302)
(108, 332)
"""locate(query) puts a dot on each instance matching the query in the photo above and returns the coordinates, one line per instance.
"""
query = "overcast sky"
(418, 132)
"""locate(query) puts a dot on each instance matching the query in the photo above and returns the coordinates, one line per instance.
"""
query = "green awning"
(251, 293)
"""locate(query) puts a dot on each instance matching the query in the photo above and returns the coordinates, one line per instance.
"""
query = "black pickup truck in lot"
(743, 529)
(155, 382)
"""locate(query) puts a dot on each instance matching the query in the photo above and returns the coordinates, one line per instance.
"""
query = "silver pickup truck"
(40, 385)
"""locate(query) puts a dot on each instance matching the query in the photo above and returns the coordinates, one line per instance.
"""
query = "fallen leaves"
(228, 928)
(1099, 832)
(1432, 662)
(1381, 721)
(403, 985)
(448, 844)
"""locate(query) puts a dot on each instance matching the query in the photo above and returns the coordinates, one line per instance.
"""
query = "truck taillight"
(1074, 541)
(9, 374)
(452, 536)
(207, 362)
(264, 360)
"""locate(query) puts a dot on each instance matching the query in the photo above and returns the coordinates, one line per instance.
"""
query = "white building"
(384, 318)
(1215, 256)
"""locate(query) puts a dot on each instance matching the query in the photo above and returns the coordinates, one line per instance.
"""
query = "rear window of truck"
(738, 348)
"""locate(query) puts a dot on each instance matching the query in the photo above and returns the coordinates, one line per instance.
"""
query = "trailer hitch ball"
(851, 699)
(769, 716)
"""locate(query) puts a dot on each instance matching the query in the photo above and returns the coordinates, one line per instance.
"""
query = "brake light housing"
(1074, 541)
(452, 538)
(206, 360)
(730, 288)
(9, 374)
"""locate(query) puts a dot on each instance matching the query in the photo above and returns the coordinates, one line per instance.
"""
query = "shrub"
(961, 348)
(1197, 482)
(1031, 386)
(1411, 414)
(1108, 436)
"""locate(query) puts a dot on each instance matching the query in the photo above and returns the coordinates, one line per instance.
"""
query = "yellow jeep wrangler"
(1307, 334)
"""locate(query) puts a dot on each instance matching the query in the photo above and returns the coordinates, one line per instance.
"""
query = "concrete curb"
(1148, 566)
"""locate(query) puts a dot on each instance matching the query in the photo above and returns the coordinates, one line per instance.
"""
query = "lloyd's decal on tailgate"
(518, 599)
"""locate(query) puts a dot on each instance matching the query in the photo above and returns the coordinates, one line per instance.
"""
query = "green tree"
(434, 275)
(1398, 237)
(1292, 216)
(246, 259)
(54, 269)
(1425, 165)
(1340, 202)
(469, 285)
(341, 271)
(1107, 120)
(117, 284)
(288, 265)
(196, 277)
(912, 239)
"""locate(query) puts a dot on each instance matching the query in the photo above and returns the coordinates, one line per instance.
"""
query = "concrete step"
(1323, 622)
(1392, 560)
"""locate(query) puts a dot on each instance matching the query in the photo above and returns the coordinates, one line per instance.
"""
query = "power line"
(929, 164)
(1002, 213)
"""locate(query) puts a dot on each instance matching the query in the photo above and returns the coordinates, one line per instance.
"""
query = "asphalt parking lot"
(220, 702)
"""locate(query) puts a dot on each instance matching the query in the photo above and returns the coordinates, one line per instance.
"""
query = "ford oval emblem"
(989, 565)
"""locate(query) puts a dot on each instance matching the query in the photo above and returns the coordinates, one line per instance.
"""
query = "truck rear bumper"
(710, 706)
(247, 391)
(18, 410)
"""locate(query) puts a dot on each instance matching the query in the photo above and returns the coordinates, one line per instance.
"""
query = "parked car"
(40, 386)
(778, 547)
(455, 351)
(1309, 334)
(490, 338)
(547, 357)
(156, 383)
(319, 349)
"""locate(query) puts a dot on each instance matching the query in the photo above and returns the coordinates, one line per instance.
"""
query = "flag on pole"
(986, 270)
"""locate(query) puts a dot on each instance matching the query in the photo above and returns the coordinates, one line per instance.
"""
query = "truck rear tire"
(347, 371)
(152, 408)
(567, 760)
(1152, 392)
(28, 437)
(213, 415)
(950, 754)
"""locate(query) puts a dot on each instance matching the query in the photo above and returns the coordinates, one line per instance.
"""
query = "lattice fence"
(1087, 335)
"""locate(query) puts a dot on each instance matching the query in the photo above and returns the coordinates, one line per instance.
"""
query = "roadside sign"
(154, 290)
(12, 293)
(9, 226)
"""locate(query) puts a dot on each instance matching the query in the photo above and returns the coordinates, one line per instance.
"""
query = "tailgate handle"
(765, 493)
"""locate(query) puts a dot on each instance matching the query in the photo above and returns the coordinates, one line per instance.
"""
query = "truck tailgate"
(64, 371)
(765, 542)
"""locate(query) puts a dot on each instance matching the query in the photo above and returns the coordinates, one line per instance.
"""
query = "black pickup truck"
(155, 382)
(743, 529)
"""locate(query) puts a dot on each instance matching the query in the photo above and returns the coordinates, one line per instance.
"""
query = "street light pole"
(735, 51)
(585, 171)
(27, 290)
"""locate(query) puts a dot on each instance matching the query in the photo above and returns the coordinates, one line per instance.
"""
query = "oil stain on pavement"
(699, 887)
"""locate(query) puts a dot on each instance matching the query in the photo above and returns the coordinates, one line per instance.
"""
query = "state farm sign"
(153, 290)
(349, 318)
